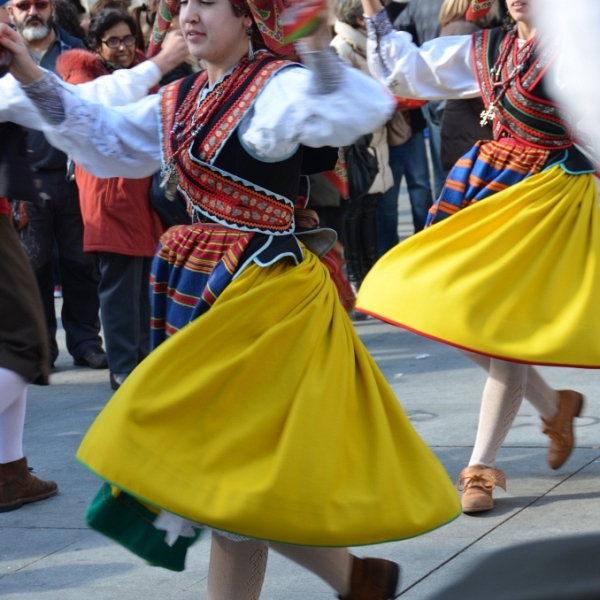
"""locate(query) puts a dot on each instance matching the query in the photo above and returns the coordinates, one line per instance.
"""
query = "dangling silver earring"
(250, 47)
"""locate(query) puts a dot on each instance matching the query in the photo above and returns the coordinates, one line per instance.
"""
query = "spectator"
(407, 160)
(119, 222)
(58, 220)
(422, 16)
(460, 127)
(360, 226)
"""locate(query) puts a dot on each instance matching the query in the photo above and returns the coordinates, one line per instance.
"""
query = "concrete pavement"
(47, 553)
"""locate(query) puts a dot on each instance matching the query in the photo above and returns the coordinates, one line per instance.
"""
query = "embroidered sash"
(524, 111)
(210, 191)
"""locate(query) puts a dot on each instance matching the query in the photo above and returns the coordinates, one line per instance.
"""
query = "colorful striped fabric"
(192, 267)
(489, 167)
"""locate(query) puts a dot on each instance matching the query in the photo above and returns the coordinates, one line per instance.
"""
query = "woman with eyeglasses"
(120, 225)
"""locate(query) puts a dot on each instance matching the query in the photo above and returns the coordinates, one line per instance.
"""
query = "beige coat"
(351, 46)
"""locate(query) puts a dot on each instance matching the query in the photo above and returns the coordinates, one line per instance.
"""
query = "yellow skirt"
(268, 418)
(515, 276)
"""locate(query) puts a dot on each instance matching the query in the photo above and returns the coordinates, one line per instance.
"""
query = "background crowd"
(91, 240)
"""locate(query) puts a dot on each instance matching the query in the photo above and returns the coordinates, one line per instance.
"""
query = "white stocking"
(333, 565)
(502, 397)
(237, 569)
(13, 399)
(543, 398)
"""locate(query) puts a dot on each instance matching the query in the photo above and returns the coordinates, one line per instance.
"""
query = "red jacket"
(117, 214)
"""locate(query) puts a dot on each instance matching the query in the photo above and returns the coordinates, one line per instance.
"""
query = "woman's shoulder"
(79, 66)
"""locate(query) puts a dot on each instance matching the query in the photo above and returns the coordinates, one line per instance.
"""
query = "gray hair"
(346, 11)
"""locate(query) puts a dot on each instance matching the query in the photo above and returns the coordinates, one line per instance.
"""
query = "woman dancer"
(513, 279)
(264, 416)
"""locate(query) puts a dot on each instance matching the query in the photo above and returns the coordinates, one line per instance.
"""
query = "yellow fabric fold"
(515, 276)
(267, 417)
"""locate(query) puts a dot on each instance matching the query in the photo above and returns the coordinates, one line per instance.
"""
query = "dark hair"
(102, 4)
(104, 20)
(66, 16)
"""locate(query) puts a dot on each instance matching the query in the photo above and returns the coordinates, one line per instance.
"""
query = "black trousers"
(58, 222)
(125, 306)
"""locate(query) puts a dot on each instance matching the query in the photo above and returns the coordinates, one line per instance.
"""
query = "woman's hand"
(22, 66)
(173, 52)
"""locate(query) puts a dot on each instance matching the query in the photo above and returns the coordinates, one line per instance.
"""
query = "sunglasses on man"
(25, 6)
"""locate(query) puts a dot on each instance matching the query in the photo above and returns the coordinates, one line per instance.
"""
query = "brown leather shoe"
(18, 486)
(560, 427)
(372, 579)
(477, 483)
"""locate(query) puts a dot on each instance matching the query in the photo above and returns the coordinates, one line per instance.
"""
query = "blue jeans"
(407, 160)
(432, 116)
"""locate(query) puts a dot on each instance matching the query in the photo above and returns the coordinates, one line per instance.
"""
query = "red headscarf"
(265, 13)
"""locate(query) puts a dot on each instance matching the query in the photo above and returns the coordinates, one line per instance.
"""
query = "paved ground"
(47, 553)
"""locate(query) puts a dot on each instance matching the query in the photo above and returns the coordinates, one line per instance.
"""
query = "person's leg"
(37, 239)
(369, 232)
(417, 180)
(332, 565)
(502, 397)
(237, 569)
(351, 577)
(119, 292)
(557, 409)
(81, 304)
(17, 485)
(387, 208)
(13, 395)
(544, 398)
(144, 312)
(432, 116)
(353, 242)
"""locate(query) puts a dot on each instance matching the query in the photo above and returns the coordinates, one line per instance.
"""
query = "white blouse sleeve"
(107, 142)
(292, 111)
(124, 86)
(440, 69)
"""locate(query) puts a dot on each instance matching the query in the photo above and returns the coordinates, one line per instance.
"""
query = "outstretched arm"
(119, 142)
(439, 69)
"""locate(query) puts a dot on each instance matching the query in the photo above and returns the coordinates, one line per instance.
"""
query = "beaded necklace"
(500, 86)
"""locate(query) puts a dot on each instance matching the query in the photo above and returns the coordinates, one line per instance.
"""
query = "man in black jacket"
(58, 220)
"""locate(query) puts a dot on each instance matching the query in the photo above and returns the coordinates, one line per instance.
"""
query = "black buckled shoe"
(93, 357)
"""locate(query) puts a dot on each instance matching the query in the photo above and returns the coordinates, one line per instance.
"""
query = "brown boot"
(18, 486)
(372, 579)
(560, 427)
(477, 483)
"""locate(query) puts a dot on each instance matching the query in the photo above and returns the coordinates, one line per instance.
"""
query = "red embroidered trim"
(232, 203)
(213, 192)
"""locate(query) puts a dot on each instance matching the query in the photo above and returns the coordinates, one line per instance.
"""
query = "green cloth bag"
(129, 523)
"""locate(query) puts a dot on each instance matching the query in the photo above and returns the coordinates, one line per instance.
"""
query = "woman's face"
(520, 10)
(212, 31)
(121, 54)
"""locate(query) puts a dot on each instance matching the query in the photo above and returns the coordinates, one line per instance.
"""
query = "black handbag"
(361, 166)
